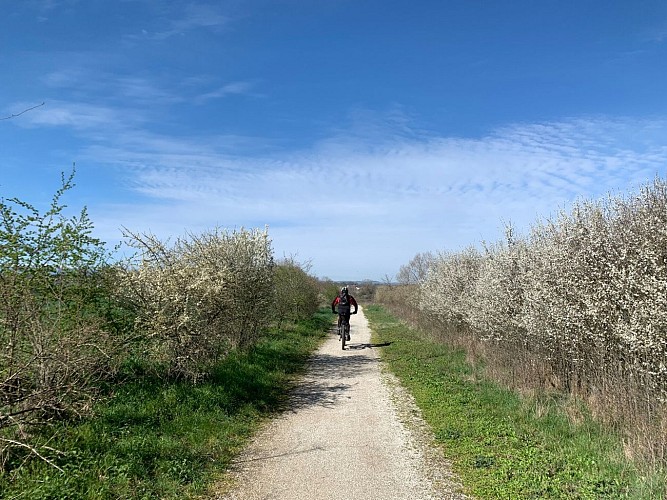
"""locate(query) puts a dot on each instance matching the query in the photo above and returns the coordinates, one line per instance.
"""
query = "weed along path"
(350, 433)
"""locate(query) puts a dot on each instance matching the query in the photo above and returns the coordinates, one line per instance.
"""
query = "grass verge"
(156, 439)
(500, 444)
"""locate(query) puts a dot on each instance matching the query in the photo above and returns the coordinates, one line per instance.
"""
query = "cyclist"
(344, 300)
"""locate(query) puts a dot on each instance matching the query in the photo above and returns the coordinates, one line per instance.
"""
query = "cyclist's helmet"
(343, 291)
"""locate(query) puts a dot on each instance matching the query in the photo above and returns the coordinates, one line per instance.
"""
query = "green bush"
(296, 292)
(56, 302)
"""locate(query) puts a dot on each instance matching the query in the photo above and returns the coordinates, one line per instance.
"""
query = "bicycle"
(344, 326)
(343, 329)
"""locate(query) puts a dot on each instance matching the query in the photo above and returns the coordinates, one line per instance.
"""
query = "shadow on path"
(368, 346)
(278, 455)
(328, 376)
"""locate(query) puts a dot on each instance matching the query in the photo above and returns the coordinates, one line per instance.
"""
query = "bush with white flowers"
(585, 292)
(201, 296)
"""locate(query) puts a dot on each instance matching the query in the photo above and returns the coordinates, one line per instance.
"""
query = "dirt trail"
(350, 433)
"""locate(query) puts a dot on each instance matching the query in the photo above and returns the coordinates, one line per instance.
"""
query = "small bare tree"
(415, 271)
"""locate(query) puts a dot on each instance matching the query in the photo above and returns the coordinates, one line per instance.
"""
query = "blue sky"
(361, 132)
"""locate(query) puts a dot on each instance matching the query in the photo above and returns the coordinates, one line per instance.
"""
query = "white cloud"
(389, 200)
(89, 118)
(392, 194)
(232, 88)
(200, 15)
(102, 87)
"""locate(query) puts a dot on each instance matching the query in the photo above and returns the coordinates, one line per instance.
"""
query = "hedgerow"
(579, 304)
(74, 322)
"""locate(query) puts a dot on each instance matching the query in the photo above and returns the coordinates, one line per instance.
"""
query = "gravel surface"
(351, 433)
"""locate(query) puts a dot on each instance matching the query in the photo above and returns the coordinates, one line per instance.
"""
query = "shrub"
(296, 292)
(200, 297)
(446, 293)
(580, 304)
(328, 290)
(54, 299)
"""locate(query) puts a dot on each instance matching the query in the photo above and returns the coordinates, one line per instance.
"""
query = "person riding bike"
(344, 300)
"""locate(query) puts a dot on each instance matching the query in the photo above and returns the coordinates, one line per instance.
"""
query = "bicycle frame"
(343, 329)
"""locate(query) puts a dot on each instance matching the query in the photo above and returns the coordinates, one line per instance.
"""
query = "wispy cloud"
(546, 161)
(147, 92)
(49, 5)
(88, 118)
(465, 187)
(393, 190)
(232, 88)
(190, 17)
(658, 33)
(198, 15)
(122, 90)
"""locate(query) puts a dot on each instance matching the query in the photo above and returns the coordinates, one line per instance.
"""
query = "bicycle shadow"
(368, 346)
(359, 346)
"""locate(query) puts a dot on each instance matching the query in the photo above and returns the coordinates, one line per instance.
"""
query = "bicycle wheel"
(343, 336)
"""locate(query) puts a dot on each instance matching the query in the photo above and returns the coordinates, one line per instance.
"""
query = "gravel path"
(351, 433)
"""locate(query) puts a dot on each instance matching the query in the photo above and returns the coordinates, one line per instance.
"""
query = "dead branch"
(24, 111)
(32, 450)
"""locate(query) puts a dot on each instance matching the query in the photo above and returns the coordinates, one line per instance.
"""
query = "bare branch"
(32, 450)
(24, 111)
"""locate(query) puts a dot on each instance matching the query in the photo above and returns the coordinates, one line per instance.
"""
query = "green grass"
(155, 439)
(502, 445)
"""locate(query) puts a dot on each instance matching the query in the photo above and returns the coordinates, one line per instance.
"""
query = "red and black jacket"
(350, 300)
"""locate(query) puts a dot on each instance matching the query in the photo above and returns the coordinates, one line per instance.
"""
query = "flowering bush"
(447, 291)
(202, 296)
(585, 293)
(497, 295)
